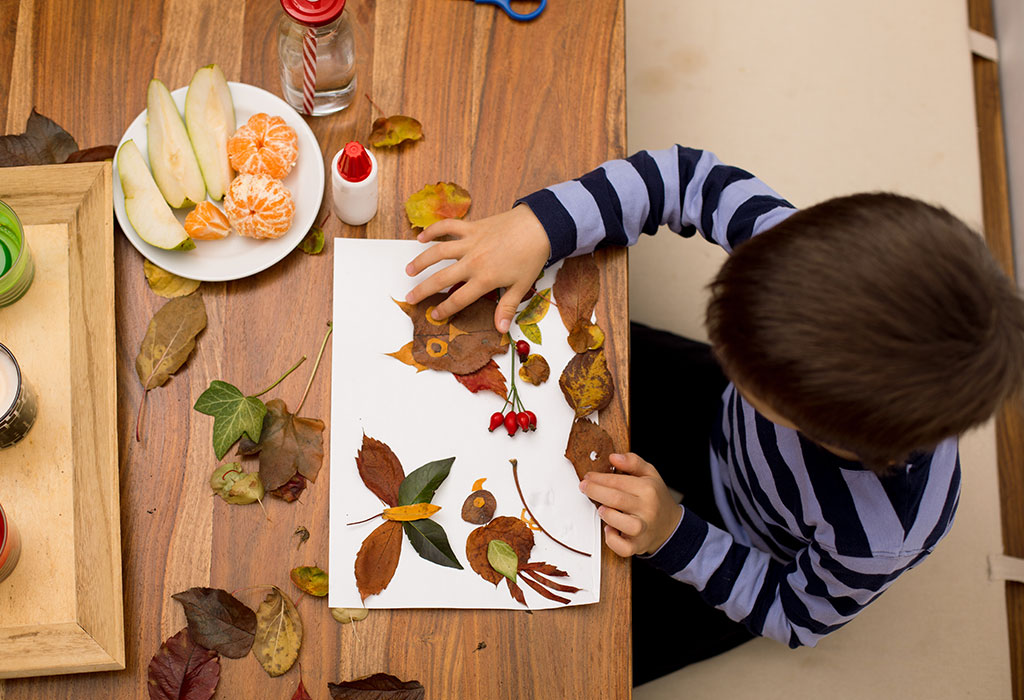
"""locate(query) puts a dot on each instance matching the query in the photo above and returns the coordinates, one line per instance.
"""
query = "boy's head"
(876, 323)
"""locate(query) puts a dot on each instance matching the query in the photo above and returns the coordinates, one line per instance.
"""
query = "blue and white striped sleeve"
(796, 603)
(685, 189)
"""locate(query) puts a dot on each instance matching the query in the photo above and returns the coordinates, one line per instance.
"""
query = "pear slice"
(147, 211)
(210, 120)
(174, 164)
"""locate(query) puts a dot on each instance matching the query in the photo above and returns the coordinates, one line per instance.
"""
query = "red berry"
(523, 349)
(533, 419)
(524, 421)
(496, 420)
(511, 423)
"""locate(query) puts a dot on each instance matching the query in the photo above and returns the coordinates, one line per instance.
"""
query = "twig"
(359, 522)
(515, 477)
(330, 329)
(374, 104)
(294, 367)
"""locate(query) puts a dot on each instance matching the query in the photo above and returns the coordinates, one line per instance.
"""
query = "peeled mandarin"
(264, 145)
(207, 223)
(259, 206)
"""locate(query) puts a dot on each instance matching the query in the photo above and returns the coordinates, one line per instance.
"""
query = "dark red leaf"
(292, 490)
(183, 670)
(380, 470)
(91, 155)
(516, 592)
(488, 377)
(379, 686)
(300, 693)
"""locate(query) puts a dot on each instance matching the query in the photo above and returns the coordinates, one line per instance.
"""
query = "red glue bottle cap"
(354, 164)
(313, 13)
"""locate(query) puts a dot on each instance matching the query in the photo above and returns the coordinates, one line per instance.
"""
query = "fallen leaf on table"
(422, 483)
(589, 447)
(391, 131)
(167, 284)
(236, 486)
(289, 445)
(416, 511)
(380, 470)
(313, 243)
(535, 370)
(93, 155)
(576, 288)
(586, 383)
(503, 559)
(536, 309)
(445, 200)
(487, 378)
(460, 344)
(512, 531)
(290, 491)
(585, 336)
(218, 621)
(278, 633)
(300, 693)
(234, 414)
(429, 540)
(42, 143)
(377, 559)
(182, 670)
(310, 579)
(348, 615)
(379, 686)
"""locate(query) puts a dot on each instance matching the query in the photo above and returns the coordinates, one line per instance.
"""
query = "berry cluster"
(515, 419)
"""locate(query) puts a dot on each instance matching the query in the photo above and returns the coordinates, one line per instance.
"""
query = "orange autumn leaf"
(585, 336)
(405, 514)
(444, 200)
(512, 531)
(576, 288)
(535, 370)
(589, 448)
(404, 354)
(391, 131)
(488, 377)
(380, 470)
(377, 559)
(586, 383)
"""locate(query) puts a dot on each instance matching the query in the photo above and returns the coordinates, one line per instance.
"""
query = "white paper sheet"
(428, 416)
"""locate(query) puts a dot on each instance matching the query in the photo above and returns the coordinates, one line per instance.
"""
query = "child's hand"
(639, 512)
(506, 250)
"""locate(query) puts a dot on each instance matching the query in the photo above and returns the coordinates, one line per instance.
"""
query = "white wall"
(1009, 18)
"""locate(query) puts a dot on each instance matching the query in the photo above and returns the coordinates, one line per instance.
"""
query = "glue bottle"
(354, 184)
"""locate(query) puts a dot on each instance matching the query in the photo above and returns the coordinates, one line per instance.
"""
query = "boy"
(856, 339)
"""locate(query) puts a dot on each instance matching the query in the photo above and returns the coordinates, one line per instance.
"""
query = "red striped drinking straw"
(308, 69)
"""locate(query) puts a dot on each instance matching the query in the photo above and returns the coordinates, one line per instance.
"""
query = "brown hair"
(875, 322)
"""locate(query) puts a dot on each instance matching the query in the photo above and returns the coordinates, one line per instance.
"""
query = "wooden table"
(507, 107)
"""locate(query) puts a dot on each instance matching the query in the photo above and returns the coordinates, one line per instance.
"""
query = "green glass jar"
(16, 266)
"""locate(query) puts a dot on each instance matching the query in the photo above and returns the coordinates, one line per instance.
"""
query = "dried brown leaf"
(391, 131)
(170, 339)
(513, 531)
(219, 621)
(586, 383)
(479, 507)
(460, 344)
(535, 370)
(278, 633)
(585, 336)
(289, 445)
(377, 559)
(380, 470)
(589, 447)
(577, 286)
(43, 142)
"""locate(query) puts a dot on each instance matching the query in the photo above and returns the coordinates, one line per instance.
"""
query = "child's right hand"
(506, 250)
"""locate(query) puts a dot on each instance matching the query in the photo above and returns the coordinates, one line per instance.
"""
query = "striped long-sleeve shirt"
(810, 538)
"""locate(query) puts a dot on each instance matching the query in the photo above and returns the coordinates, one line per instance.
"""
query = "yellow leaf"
(445, 200)
(536, 309)
(167, 284)
(586, 336)
(416, 511)
(586, 383)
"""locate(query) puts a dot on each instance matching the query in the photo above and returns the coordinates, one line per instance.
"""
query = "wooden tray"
(61, 610)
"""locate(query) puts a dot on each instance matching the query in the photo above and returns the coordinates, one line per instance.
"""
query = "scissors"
(507, 7)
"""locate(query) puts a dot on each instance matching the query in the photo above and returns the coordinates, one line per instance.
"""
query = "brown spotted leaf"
(289, 445)
(535, 370)
(380, 470)
(391, 131)
(278, 633)
(589, 447)
(377, 559)
(183, 670)
(512, 531)
(379, 686)
(576, 288)
(585, 336)
(445, 200)
(219, 621)
(487, 378)
(460, 344)
(586, 383)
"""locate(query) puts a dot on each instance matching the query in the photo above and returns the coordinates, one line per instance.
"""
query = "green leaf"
(313, 243)
(537, 309)
(233, 414)
(503, 559)
(420, 485)
(430, 542)
(310, 579)
(531, 331)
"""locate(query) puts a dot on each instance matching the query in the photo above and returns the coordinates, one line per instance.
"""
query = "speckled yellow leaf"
(167, 284)
(278, 633)
(586, 383)
(444, 200)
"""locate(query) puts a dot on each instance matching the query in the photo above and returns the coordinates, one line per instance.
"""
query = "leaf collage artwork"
(393, 403)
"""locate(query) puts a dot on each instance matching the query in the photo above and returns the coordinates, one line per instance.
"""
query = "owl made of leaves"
(460, 344)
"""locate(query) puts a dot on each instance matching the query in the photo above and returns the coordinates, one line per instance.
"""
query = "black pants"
(675, 395)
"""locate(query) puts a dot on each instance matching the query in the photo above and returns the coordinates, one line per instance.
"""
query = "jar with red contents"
(10, 545)
(317, 51)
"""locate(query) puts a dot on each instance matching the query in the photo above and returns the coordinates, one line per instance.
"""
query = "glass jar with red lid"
(317, 51)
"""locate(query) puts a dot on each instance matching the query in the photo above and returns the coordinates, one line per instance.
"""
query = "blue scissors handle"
(522, 17)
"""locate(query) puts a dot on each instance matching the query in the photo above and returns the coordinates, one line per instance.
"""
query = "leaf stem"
(138, 418)
(360, 522)
(293, 368)
(374, 104)
(515, 477)
(330, 329)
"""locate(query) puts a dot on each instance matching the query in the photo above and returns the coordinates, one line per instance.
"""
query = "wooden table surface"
(507, 107)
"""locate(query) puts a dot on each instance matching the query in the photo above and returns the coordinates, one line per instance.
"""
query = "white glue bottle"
(354, 184)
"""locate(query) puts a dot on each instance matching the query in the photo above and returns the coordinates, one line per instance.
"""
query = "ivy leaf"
(169, 340)
(586, 383)
(377, 558)
(431, 543)
(313, 243)
(536, 309)
(576, 288)
(278, 633)
(380, 470)
(167, 284)
(234, 414)
(391, 131)
(42, 143)
(289, 445)
(379, 686)
(300, 693)
(219, 621)
(445, 200)
(503, 559)
(422, 483)
(487, 378)
(589, 448)
(310, 579)
(182, 670)
(535, 370)
(531, 331)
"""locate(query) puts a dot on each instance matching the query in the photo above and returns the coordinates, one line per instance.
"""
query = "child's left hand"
(637, 508)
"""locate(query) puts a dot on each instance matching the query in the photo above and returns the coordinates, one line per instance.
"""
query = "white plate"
(236, 256)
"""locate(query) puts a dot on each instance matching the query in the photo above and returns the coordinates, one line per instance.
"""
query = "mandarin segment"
(259, 206)
(264, 145)
(207, 223)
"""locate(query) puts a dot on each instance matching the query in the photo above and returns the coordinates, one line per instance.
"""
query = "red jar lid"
(354, 164)
(313, 13)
